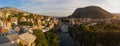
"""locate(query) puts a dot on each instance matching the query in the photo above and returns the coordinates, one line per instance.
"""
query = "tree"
(13, 25)
(5, 12)
(85, 27)
(40, 38)
(19, 15)
(26, 23)
(51, 37)
(20, 44)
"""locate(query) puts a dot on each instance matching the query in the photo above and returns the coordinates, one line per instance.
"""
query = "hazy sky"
(60, 7)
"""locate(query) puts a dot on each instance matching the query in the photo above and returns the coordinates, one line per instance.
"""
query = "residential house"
(26, 14)
(17, 29)
(1, 23)
(14, 20)
(39, 22)
(35, 27)
(6, 24)
(44, 30)
(91, 24)
(7, 14)
(55, 21)
(47, 19)
(30, 29)
(51, 26)
(1, 15)
(3, 32)
(23, 19)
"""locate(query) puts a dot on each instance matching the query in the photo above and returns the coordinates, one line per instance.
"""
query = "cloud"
(49, 8)
(61, 7)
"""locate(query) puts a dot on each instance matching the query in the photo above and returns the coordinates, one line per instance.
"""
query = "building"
(1, 15)
(4, 41)
(14, 20)
(17, 29)
(23, 19)
(9, 40)
(6, 24)
(1, 23)
(27, 39)
(13, 38)
(26, 14)
(7, 15)
(3, 32)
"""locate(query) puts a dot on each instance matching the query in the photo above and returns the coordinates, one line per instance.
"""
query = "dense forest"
(103, 34)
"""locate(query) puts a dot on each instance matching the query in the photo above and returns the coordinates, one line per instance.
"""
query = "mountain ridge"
(10, 9)
(16, 10)
(91, 12)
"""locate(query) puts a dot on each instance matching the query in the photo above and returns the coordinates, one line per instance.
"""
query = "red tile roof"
(4, 31)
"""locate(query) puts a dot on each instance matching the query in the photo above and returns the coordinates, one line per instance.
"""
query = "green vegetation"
(26, 23)
(46, 39)
(19, 15)
(20, 44)
(13, 25)
(40, 38)
(29, 16)
(51, 37)
(106, 34)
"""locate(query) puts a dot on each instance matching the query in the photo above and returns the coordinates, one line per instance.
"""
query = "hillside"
(10, 14)
(43, 28)
(10, 9)
(94, 35)
(91, 12)
(13, 10)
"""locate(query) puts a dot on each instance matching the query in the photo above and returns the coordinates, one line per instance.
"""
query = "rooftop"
(7, 44)
(12, 37)
(4, 31)
(27, 37)
(3, 40)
